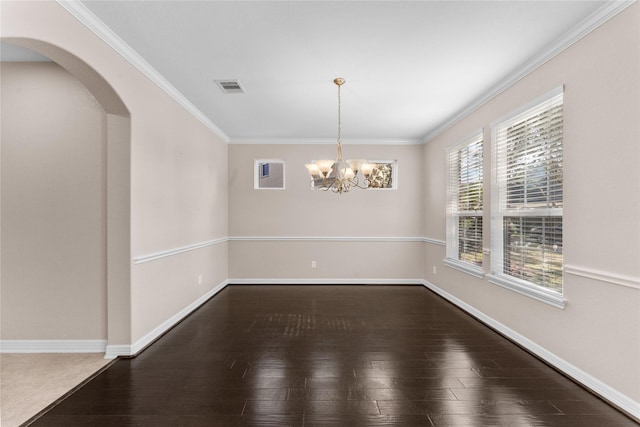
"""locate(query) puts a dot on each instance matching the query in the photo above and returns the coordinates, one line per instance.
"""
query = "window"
(527, 199)
(384, 176)
(264, 172)
(464, 207)
(268, 174)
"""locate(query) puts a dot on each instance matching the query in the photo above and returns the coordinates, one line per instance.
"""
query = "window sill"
(473, 270)
(549, 297)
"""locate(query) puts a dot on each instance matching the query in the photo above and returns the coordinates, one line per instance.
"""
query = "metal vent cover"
(230, 86)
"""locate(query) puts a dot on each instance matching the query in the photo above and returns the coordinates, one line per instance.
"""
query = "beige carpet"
(30, 382)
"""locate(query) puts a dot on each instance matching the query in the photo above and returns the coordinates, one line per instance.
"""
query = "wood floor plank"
(309, 356)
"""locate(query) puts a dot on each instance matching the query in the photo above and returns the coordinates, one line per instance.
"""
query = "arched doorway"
(55, 235)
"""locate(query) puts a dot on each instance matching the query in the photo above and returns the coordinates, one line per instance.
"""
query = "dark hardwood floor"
(331, 356)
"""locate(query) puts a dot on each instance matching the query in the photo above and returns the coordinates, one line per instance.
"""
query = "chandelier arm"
(360, 187)
(356, 182)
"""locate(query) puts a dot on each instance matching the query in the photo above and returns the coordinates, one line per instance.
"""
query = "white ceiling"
(411, 67)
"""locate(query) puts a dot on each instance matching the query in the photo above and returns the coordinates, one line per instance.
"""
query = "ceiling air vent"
(230, 86)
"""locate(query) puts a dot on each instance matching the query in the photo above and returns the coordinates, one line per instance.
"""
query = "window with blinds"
(528, 198)
(464, 208)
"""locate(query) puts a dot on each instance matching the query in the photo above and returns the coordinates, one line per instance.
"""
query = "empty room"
(320, 213)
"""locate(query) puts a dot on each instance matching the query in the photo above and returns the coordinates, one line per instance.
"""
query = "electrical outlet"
(200, 279)
(434, 269)
(314, 264)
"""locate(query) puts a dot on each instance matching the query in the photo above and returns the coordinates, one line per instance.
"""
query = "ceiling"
(411, 67)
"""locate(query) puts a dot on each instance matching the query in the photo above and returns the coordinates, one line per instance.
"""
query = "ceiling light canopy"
(339, 175)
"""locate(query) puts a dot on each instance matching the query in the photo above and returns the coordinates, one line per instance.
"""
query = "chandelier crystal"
(339, 175)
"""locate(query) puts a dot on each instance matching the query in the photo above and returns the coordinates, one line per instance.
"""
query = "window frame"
(499, 209)
(262, 173)
(454, 214)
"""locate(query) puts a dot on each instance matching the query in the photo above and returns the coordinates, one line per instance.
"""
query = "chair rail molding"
(174, 251)
(436, 242)
(603, 276)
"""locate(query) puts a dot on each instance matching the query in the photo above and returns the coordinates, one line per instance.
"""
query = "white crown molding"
(53, 346)
(113, 351)
(599, 17)
(604, 390)
(603, 276)
(324, 141)
(181, 249)
(86, 17)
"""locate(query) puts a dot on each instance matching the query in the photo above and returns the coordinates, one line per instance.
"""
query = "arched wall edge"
(118, 182)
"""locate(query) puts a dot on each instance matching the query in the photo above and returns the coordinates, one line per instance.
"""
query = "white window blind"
(465, 202)
(528, 197)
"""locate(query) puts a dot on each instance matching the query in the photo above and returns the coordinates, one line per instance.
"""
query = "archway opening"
(65, 205)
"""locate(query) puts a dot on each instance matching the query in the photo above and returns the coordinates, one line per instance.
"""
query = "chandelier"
(339, 175)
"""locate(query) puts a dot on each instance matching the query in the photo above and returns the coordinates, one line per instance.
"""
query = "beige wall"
(178, 181)
(179, 199)
(599, 330)
(53, 206)
(187, 187)
(283, 231)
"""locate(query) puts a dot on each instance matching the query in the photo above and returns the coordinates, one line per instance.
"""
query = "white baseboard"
(53, 346)
(600, 388)
(113, 351)
(325, 281)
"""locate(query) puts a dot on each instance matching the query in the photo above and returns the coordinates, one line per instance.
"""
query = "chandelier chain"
(339, 123)
(339, 116)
